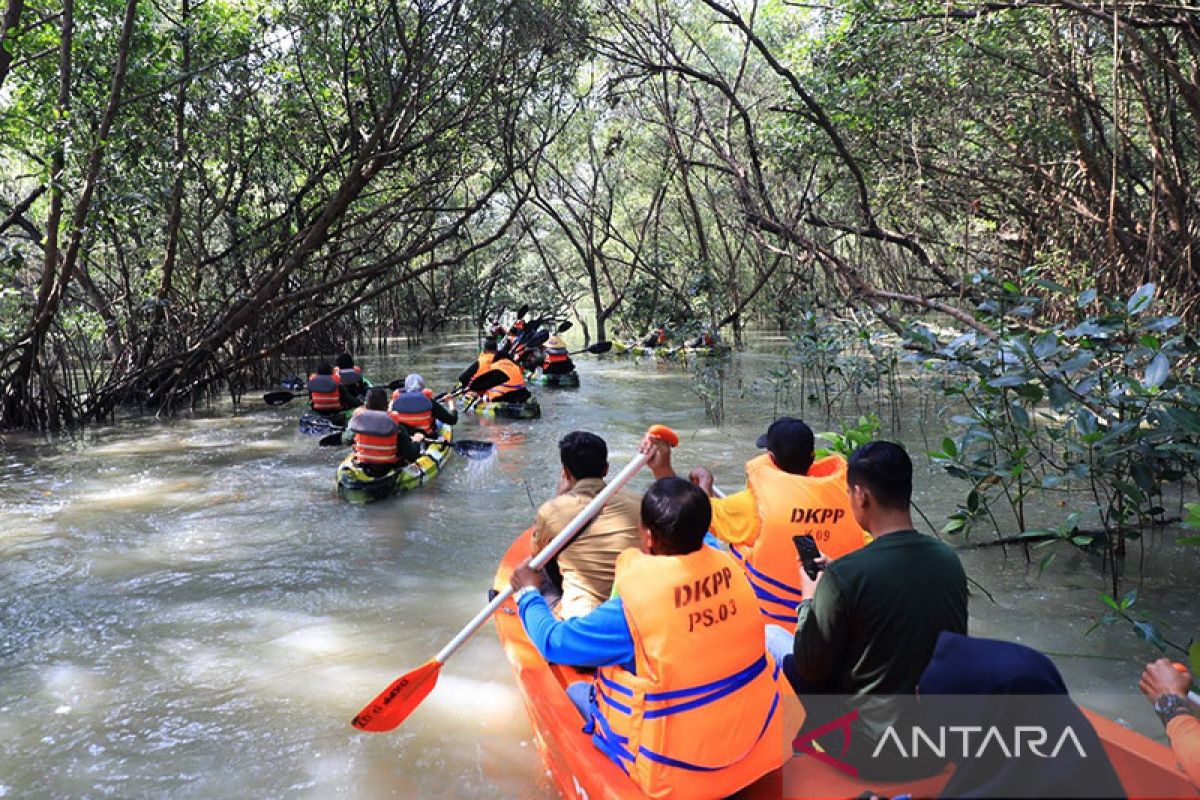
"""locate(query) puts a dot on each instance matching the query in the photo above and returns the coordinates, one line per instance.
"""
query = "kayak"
(528, 409)
(319, 423)
(569, 380)
(354, 485)
(1145, 767)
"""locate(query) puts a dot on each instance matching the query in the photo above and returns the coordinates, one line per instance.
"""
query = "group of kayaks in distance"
(401, 440)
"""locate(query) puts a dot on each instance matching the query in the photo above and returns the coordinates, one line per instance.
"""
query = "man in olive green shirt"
(588, 563)
(874, 616)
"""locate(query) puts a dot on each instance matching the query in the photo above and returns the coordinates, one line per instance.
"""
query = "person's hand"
(1161, 677)
(524, 576)
(660, 456)
(450, 403)
(418, 437)
(702, 477)
(808, 586)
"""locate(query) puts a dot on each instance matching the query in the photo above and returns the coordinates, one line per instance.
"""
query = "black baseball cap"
(791, 442)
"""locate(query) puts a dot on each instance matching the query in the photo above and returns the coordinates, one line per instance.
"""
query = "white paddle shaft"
(550, 551)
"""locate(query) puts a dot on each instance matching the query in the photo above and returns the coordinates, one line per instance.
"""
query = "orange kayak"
(1147, 769)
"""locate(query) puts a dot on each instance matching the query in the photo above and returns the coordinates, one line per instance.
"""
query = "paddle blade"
(292, 383)
(488, 380)
(278, 398)
(474, 450)
(522, 311)
(396, 384)
(396, 702)
(599, 348)
(566, 326)
(332, 440)
(666, 434)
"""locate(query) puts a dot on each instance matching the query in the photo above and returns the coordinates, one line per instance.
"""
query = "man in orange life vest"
(325, 392)
(557, 360)
(380, 442)
(416, 410)
(513, 390)
(788, 493)
(350, 377)
(686, 699)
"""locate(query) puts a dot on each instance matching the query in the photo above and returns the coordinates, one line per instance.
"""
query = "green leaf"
(1140, 300)
(1081, 541)
(1129, 599)
(954, 526)
(949, 447)
(1147, 631)
(1086, 297)
(1108, 601)
(1045, 562)
(1156, 372)
(1188, 540)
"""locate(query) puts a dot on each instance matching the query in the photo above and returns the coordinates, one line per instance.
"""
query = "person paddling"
(789, 492)
(416, 410)
(513, 390)
(325, 392)
(380, 442)
(682, 673)
(351, 377)
(557, 358)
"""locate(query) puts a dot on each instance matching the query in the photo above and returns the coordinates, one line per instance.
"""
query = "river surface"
(186, 608)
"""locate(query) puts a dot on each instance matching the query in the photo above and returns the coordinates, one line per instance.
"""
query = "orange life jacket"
(514, 374)
(555, 355)
(374, 437)
(324, 392)
(793, 505)
(701, 717)
(484, 363)
(414, 410)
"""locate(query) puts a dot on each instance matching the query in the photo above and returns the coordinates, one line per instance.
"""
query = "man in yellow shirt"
(588, 564)
(788, 493)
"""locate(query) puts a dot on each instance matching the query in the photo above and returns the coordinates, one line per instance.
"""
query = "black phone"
(806, 546)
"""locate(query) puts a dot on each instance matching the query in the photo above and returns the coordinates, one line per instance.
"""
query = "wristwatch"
(1169, 706)
(524, 590)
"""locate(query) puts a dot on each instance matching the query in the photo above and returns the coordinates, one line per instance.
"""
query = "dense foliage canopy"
(193, 188)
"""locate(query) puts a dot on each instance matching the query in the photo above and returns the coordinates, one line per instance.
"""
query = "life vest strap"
(713, 691)
(659, 758)
(611, 743)
(624, 709)
(765, 578)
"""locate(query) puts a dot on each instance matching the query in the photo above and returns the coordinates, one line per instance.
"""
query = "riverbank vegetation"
(996, 201)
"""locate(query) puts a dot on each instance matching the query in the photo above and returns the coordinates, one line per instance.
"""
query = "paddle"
(279, 398)
(598, 348)
(393, 705)
(473, 449)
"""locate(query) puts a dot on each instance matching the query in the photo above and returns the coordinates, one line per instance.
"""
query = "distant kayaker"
(655, 338)
(513, 390)
(870, 620)
(587, 565)
(325, 392)
(788, 493)
(416, 410)
(380, 442)
(680, 638)
(351, 377)
(1166, 686)
(482, 364)
(557, 359)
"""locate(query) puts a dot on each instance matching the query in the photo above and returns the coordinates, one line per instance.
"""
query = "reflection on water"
(189, 610)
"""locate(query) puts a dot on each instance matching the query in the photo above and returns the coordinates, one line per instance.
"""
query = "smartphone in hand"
(806, 546)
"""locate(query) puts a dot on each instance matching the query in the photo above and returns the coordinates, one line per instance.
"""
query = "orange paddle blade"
(396, 702)
(666, 434)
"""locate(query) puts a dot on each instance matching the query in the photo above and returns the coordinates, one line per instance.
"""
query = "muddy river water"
(186, 609)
